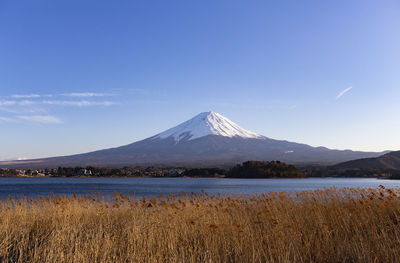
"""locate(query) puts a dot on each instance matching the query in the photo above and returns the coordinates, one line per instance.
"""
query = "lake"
(34, 187)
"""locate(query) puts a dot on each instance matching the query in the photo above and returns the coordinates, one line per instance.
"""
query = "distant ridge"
(387, 161)
(208, 139)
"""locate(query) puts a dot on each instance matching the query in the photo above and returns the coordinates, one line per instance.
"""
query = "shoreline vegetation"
(249, 169)
(330, 225)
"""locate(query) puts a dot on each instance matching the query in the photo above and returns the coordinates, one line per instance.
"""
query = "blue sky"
(77, 76)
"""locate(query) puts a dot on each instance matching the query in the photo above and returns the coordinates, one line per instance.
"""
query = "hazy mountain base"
(208, 151)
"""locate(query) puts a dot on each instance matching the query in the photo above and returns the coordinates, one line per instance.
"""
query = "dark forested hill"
(387, 161)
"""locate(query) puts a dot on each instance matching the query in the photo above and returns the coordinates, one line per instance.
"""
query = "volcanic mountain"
(208, 139)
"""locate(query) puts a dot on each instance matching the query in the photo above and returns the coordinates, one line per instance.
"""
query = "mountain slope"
(208, 139)
(388, 161)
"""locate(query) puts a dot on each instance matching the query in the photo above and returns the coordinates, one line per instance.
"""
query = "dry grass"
(348, 225)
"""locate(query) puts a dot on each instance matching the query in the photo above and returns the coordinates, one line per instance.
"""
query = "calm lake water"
(34, 187)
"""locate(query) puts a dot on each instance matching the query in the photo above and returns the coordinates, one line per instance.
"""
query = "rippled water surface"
(154, 186)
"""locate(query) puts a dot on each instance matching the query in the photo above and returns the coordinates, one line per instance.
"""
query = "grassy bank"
(350, 225)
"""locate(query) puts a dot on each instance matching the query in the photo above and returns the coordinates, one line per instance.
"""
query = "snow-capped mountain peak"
(206, 123)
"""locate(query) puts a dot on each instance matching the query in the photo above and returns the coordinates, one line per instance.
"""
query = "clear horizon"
(81, 76)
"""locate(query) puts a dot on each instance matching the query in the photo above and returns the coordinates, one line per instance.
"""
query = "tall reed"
(331, 225)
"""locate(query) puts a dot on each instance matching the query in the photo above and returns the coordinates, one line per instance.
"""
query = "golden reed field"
(332, 225)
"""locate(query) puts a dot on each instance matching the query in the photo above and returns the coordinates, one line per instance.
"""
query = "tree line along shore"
(249, 169)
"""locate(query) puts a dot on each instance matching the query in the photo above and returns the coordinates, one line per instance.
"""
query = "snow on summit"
(206, 123)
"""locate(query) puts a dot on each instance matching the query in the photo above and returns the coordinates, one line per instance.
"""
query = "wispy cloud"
(81, 103)
(37, 107)
(47, 119)
(22, 110)
(87, 94)
(5, 119)
(27, 102)
(17, 102)
(7, 102)
(343, 92)
(25, 96)
(77, 103)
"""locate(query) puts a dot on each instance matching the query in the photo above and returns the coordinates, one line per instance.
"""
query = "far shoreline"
(197, 177)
